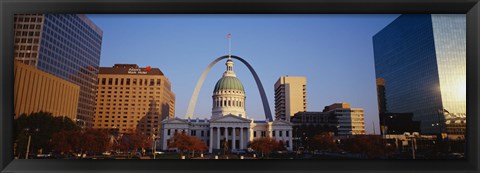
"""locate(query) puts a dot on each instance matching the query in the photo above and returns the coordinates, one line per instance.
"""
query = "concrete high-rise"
(36, 91)
(290, 96)
(351, 121)
(133, 99)
(65, 45)
(420, 64)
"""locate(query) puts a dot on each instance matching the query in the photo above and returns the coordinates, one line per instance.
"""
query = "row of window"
(127, 100)
(29, 18)
(27, 33)
(27, 26)
(126, 104)
(219, 103)
(123, 81)
(133, 113)
(27, 40)
(127, 88)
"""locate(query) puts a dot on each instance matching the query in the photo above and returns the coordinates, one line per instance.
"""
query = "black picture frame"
(10, 7)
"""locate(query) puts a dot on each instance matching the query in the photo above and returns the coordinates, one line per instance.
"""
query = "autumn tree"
(266, 145)
(197, 145)
(324, 141)
(180, 141)
(184, 142)
(92, 141)
(66, 142)
(133, 141)
(95, 141)
(372, 146)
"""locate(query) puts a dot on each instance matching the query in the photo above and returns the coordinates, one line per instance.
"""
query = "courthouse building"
(229, 122)
(132, 99)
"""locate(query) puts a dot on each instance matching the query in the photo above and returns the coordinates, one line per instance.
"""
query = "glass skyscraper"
(421, 61)
(65, 45)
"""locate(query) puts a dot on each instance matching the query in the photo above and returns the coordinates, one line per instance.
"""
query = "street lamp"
(154, 148)
(27, 130)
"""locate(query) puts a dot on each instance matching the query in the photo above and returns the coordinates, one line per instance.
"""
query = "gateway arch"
(193, 100)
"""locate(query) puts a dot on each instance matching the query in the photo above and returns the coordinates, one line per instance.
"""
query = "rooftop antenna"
(229, 36)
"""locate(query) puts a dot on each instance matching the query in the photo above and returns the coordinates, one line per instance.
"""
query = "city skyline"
(409, 71)
(298, 45)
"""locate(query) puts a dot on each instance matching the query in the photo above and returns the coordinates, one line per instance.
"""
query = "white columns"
(164, 139)
(290, 143)
(250, 134)
(241, 138)
(210, 147)
(218, 137)
(233, 138)
(226, 136)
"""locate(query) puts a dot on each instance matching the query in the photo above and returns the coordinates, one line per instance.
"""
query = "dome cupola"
(228, 94)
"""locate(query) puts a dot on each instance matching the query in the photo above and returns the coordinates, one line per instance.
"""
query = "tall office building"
(290, 96)
(133, 99)
(420, 63)
(65, 45)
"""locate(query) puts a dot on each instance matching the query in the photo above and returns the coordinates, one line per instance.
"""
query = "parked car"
(107, 153)
(238, 151)
(44, 155)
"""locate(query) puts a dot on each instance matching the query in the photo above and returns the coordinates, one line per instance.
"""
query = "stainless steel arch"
(193, 100)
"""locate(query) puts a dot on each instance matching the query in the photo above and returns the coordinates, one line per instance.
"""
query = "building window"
(264, 134)
(280, 133)
(287, 133)
(203, 133)
(254, 133)
(273, 133)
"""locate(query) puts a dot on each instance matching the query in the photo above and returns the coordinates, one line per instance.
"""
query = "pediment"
(175, 121)
(281, 123)
(231, 118)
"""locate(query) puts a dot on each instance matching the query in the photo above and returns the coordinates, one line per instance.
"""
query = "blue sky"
(334, 52)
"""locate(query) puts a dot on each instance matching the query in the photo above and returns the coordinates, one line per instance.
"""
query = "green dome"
(228, 83)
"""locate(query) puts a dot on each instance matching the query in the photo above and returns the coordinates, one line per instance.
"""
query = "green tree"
(41, 126)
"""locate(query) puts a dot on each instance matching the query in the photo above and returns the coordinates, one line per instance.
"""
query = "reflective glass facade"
(67, 46)
(421, 59)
